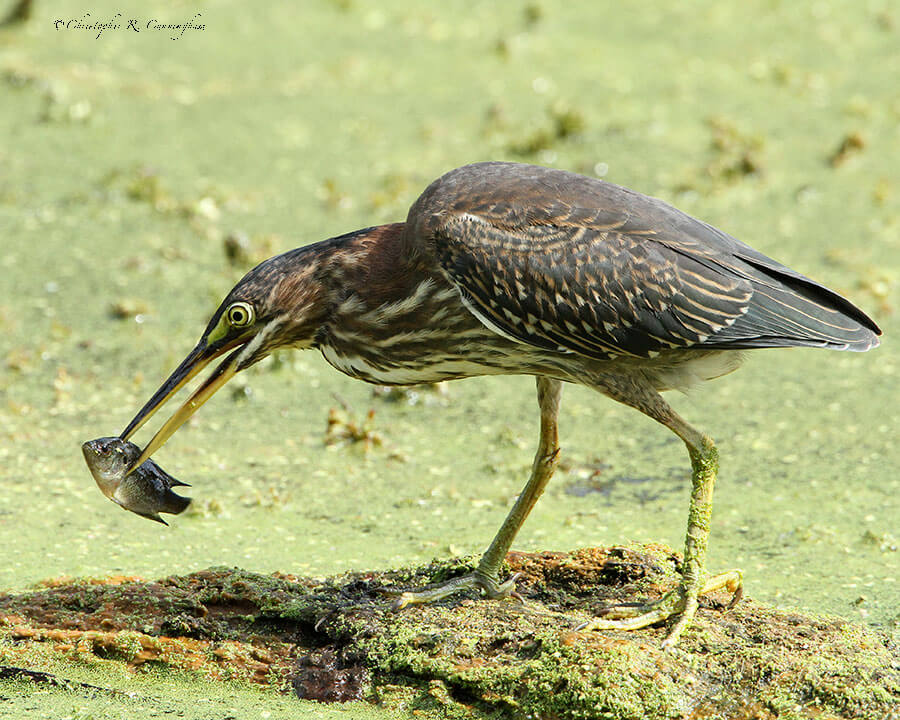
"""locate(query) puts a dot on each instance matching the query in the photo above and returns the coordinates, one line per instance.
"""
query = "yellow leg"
(487, 576)
(683, 600)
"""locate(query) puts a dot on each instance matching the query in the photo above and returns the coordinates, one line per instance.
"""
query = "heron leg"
(486, 576)
(683, 600)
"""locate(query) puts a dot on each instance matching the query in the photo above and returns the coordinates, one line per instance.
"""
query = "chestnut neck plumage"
(393, 320)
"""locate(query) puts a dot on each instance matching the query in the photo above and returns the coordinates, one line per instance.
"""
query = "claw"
(401, 601)
(679, 603)
(487, 585)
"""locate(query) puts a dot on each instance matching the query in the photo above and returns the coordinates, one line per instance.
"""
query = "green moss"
(494, 658)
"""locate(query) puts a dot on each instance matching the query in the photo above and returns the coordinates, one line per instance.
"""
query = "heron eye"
(239, 314)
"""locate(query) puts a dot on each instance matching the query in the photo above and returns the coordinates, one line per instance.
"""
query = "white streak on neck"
(251, 347)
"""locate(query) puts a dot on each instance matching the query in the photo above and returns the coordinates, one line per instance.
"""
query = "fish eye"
(239, 314)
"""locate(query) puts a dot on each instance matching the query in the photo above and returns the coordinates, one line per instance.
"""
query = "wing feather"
(566, 262)
(597, 293)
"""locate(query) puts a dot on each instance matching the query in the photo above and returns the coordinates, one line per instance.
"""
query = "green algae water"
(141, 175)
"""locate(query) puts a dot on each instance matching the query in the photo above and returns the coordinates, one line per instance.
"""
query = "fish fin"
(162, 475)
(174, 504)
(154, 517)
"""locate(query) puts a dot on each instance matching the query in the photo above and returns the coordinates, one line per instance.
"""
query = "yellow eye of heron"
(240, 314)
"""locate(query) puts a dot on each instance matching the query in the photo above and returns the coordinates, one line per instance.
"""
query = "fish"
(147, 491)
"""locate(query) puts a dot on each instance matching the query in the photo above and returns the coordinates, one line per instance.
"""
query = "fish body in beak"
(146, 491)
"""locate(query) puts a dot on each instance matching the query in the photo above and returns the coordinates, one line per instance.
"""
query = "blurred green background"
(141, 175)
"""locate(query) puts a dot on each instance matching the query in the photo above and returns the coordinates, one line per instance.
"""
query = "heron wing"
(571, 263)
(598, 292)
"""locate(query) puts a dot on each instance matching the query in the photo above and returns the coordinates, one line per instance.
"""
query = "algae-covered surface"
(141, 175)
(335, 640)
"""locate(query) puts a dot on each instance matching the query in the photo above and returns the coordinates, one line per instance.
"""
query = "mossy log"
(336, 639)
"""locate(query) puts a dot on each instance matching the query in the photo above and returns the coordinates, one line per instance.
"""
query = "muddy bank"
(335, 640)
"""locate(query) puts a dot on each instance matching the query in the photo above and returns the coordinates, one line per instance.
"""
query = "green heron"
(503, 268)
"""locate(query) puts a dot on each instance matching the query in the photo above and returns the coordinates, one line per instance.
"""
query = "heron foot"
(680, 602)
(488, 586)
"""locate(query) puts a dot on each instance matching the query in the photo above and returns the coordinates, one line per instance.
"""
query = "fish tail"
(174, 504)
